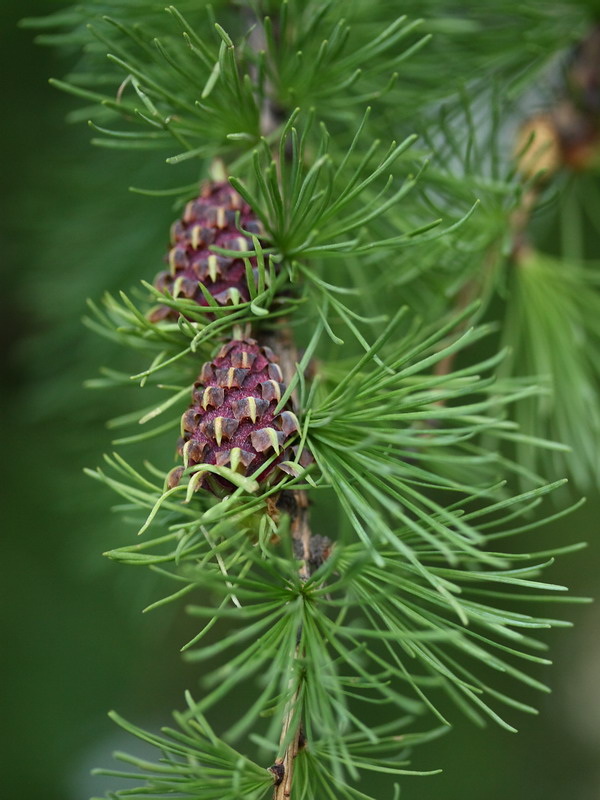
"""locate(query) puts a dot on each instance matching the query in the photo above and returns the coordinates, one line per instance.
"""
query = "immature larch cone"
(232, 421)
(208, 220)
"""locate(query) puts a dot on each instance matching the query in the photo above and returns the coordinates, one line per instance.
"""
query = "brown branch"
(313, 550)
(283, 769)
(295, 502)
(310, 549)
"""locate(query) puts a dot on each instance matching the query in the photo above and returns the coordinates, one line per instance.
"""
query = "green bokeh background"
(74, 640)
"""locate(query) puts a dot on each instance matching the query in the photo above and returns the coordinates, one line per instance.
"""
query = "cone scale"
(208, 220)
(232, 422)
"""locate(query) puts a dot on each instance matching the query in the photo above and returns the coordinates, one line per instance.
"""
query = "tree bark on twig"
(282, 342)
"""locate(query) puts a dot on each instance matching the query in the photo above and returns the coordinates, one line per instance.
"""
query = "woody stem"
(282, 342)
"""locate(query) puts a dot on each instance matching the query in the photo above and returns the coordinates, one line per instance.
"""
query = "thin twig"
(282, 341)
(283, 769)
(296, 504)
(567, 135)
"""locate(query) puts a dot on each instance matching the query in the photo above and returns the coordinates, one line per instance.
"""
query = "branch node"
(278, 772)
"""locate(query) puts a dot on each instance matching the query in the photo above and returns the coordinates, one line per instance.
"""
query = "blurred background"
(74, 642)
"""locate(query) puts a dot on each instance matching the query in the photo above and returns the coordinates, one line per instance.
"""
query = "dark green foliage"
(374, 252)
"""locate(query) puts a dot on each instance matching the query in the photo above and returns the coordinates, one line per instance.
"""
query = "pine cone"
(208, 220)
(232, 422)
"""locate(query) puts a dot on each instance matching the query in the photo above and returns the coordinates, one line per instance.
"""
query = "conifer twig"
(564, 135)
(283, 769)
(284, 345)
(417, 578)
(296, 503)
